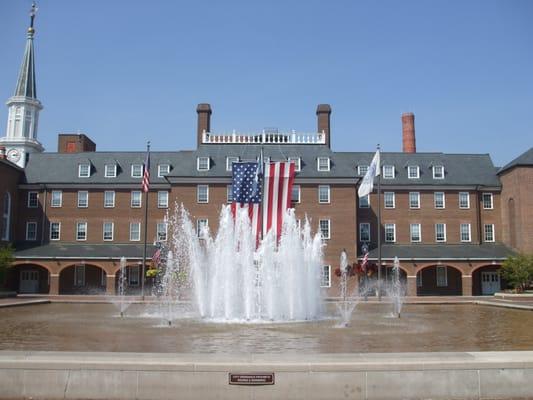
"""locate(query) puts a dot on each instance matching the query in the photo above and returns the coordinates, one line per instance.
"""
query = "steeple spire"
(26, 82)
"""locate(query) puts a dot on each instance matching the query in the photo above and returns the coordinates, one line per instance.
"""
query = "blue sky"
(124, 72)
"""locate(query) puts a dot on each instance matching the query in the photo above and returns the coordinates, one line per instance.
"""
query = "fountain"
(122, 285)
(348, 303)
(395, 289)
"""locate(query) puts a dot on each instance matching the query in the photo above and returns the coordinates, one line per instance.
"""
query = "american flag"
(247, 192)
(146, 175)
(279, 178)
(156, 258)
(364, 262)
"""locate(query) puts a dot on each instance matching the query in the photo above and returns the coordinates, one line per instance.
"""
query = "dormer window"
(413, 172)
(229, 162)
(84, 170)
(203, 163)
(297, 163)
(110, 170)
(163, 170)
(137, 171)
(323, 164)
(362, 170)
(438, 172)
(388, 172)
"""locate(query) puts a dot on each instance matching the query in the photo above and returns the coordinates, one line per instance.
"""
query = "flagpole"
(143, 268)
(379, 226)
(261, 160)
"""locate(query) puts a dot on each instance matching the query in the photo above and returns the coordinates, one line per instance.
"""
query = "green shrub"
(6, 259)
(518, 271)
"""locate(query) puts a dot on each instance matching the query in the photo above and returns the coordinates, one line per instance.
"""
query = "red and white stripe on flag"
(277, 190)
(146, 174)
(254, 211)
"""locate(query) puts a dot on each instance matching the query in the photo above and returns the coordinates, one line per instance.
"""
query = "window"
(325, 280)
(136, 199)
(84, 170)
(202, 194)
(31, 230)
(161, 231)
(465, 232)
(295, 194)
(323, 164)
(6, 217)
(438, 172)
(203, 163)
(390, 233)
(108, 231)
(413, 172)
(83, 199)
(201, 226)
(81, 231)
(134, 274)
(229, 162)
(137, 171)
(442, 275)
(364, 202)
(55, 230)
(416, 233)
(362, 170)
(414, 200)
(57, 197)
(229, 193)
(323, 194)
(79, 275)
(489, 232)
(388, 172)
(110, 170)
(487, 201)
(162, 199)
(440, 232)
(135, 231)
(324, 225)
(109, 199)
(33, 199)
(297, 163)
(389, 199)
(464, 200)
(163, 170)
(364, 232)
(439, 200)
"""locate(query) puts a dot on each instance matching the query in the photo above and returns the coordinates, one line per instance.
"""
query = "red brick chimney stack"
(408, 133)
(323, 113)
(204, 120)
(2, 153)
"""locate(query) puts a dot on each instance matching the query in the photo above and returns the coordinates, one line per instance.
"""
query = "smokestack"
(204, 120)
(408, 133)
(323, 113)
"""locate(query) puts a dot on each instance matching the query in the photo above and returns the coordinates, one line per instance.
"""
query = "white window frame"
(158, 231)
(436, 233)
(325, 272)
(492, 232)
(53, 203)
(84, 170)
(442, 280)
(435, 195)
(78, 231)
(199, 223)
(467, 200)
(110, 171)
(80, 204)
(200, 163)
(469, 226)
(328, 221)
(229, 193)
(362, 169)
(319, 164)
(162, 199)
(361, 225)
(229, 162)
(388, 172)
(416, 170)
(137, 171)
(435, 169)
(417, 206)
(411, 231)
(324, 189)
(160, 172)
(491, 197)
(30, 200)
(138, 224)
(393, 194)
(6, 217)
(79, 275)
(297, 189)
(104, 231)
(364, 203)
(198, 193)
(132, 198)
(112, 204)
(389, 225)
(28, 224)
(58, 230)
(297, 163)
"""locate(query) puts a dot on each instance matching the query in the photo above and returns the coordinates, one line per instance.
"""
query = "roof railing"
(264, 138)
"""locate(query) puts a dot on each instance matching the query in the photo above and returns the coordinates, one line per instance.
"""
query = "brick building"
(450, 218)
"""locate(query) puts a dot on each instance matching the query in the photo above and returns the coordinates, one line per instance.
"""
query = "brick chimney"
(204, 120)
(323, 113)
(2, 153)
(74, 143)
(408, 133)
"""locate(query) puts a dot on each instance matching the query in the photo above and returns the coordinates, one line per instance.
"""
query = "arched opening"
(82, 279)
(512, 223)
(28, 278)
(439, 280)
(6, 217)
(487, 280)
(131, 284)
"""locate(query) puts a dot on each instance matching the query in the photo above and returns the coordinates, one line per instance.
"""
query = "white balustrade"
(264, 138)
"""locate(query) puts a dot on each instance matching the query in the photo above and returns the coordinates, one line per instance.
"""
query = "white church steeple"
(23, 116)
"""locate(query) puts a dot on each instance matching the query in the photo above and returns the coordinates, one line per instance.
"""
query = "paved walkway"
(21, 301)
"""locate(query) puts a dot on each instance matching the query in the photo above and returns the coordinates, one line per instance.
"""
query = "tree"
(518, 271)
(6, 259)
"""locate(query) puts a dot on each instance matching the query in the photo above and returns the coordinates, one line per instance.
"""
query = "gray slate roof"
(488, 251)
(525, 159)
(84, 251)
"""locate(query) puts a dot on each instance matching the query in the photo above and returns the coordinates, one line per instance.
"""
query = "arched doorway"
(439, 280)
(28, 278)
(82, 279)
(487, 280)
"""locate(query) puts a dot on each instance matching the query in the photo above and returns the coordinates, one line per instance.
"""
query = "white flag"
(368, 181)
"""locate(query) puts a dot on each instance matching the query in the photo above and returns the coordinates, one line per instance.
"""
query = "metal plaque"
(251, 378)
